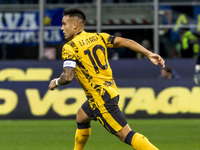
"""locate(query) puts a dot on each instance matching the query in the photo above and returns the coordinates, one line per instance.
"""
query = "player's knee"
(81, 116)
(122, 134)
(78, 116)
(122, 138)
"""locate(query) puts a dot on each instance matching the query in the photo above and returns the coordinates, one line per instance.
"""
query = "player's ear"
(75, 24)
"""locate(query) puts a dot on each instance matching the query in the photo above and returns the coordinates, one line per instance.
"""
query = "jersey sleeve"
(68, 56)
(108, 39)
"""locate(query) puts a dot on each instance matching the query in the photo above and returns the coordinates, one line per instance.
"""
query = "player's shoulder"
(67, 47)
(104, 34)
(108, 38)
(70, 46)
(68, 52)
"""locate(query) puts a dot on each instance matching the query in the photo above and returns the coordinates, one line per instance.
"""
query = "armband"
(69, 63)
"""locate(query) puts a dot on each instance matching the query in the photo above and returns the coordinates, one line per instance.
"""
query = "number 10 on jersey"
(94, 57)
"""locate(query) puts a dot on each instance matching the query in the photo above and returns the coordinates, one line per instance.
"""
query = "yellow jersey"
(87, 53)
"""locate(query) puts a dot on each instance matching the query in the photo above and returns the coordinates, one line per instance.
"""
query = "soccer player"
(85, 56)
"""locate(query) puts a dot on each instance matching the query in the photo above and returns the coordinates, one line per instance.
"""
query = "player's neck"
(78, 32)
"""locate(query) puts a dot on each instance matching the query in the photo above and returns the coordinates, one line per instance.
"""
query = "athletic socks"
(82, 134)
(129, 137)
(136, 140)
(139, 141)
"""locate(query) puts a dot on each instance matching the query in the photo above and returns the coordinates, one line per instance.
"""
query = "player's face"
(68, 27)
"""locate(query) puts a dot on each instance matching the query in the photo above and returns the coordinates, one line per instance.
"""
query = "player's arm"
(65, 78)
(69, 65)
(123, 42)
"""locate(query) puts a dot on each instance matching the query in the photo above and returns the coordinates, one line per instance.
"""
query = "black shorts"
(109, 115)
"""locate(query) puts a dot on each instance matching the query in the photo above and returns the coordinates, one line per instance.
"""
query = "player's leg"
(83, 130)
(115, 122)
(136, 140)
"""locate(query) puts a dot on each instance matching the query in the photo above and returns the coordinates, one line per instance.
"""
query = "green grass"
(166, 134)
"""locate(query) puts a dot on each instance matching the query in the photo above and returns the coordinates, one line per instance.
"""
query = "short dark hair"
(75, 13)
(167, 69)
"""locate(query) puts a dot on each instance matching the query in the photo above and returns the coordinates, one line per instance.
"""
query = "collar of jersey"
(79, 33)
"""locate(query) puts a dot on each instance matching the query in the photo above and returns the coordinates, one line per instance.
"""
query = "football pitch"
(166, 134)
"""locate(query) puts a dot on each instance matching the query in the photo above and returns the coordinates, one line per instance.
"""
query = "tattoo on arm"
(67, 76)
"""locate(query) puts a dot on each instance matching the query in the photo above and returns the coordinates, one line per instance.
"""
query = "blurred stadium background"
(167, 111)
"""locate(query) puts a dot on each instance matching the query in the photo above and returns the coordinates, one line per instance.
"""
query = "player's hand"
(197, 78)
(52, 85)
(156, 59)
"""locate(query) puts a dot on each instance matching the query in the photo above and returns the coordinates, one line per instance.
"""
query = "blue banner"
(23, 27)
(24, 90)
